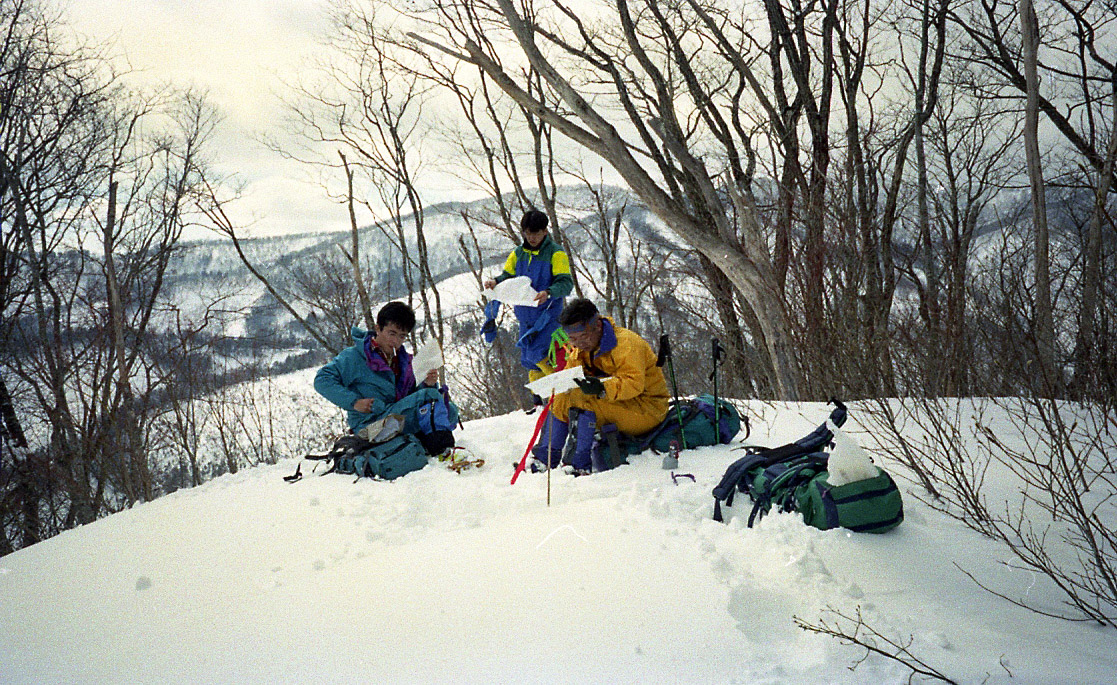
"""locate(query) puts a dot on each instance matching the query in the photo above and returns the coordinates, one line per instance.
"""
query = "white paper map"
(428, 357)
(559, 381)
(515, 291)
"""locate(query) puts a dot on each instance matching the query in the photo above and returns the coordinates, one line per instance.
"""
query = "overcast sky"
(238, 51)
(242, 53)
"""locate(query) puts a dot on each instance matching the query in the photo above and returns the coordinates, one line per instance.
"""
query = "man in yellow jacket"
(623, 391)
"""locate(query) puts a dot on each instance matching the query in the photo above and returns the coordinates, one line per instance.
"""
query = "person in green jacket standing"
(542, 260)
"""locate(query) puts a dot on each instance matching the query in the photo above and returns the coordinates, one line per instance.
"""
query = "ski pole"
(665, 356)
(671, 460)
(717, 352)
(665, 352)
(531, 443)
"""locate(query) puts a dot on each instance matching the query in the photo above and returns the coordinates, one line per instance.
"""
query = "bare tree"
(1057, 457)
(365, 109)
(687, 198)
(214, 207)
(97, 181)
(969, 160)
(1072, 89)
(51, 100)
(854, 630)
(1045, 325)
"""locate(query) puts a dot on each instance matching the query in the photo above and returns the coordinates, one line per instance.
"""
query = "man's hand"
(363, 405)
(591, 386)
(490, 284)
(542, 297)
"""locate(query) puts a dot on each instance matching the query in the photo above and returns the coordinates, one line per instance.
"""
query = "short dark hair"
(534, 221)
(399, 314)
(578, 310)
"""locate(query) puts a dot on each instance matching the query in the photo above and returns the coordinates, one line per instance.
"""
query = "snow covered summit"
(462, 578)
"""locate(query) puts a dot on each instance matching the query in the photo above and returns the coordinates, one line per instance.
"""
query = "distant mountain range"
(208, 269)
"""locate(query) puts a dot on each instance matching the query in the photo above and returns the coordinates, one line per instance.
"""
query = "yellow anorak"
(635, 389)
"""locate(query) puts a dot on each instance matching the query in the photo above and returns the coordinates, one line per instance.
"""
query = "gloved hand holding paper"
(560, 382)
(557, 382)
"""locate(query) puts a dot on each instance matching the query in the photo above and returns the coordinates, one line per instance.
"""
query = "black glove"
(591, 386)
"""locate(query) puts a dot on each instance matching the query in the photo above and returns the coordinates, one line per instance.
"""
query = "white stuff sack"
(849, 462)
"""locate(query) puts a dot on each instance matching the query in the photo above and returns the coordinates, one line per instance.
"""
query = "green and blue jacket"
(548, 267)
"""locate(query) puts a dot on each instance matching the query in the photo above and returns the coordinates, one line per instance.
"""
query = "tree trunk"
(750, 273)
(355, 249)
(1085, 362)
(1044, 318)
(739, 381)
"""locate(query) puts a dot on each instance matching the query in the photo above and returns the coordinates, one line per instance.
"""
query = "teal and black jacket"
(548, 267)
(357, 372)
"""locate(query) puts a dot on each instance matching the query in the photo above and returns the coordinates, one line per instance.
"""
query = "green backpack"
(872, 505)
(698, 418)
(793, 477)
(387, 460)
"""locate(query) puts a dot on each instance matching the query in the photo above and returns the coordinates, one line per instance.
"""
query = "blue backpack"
(386, 460)
(437, 420)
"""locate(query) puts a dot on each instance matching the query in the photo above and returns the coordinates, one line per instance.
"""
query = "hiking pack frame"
(345, 445)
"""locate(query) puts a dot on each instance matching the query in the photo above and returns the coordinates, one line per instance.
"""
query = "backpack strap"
(812, 442)
(734, 476)
(781, 489)
(344, 444)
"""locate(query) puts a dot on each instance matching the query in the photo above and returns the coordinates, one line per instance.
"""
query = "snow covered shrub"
(1037, 475)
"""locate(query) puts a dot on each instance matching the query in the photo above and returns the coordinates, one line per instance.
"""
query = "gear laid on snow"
(794, 477)
(458, 459)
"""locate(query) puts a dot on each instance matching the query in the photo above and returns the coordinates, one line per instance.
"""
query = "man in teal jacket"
(373, 377)
(542, 260)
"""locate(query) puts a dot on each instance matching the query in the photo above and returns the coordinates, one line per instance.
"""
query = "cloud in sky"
(243, 54)
(240, 52)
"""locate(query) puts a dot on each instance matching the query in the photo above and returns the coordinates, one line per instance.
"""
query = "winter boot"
(580, 453)
(607, 449)
(552, 436)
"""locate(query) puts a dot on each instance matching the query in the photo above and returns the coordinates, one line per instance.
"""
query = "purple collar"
(405, 381)
(608, 338)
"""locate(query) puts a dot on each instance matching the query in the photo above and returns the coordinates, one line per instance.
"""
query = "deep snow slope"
(440, 577)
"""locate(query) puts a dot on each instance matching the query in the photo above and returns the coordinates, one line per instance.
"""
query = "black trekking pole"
(671, 461)
(717, 352)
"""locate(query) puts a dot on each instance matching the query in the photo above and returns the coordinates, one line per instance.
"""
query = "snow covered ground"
(462, 578)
